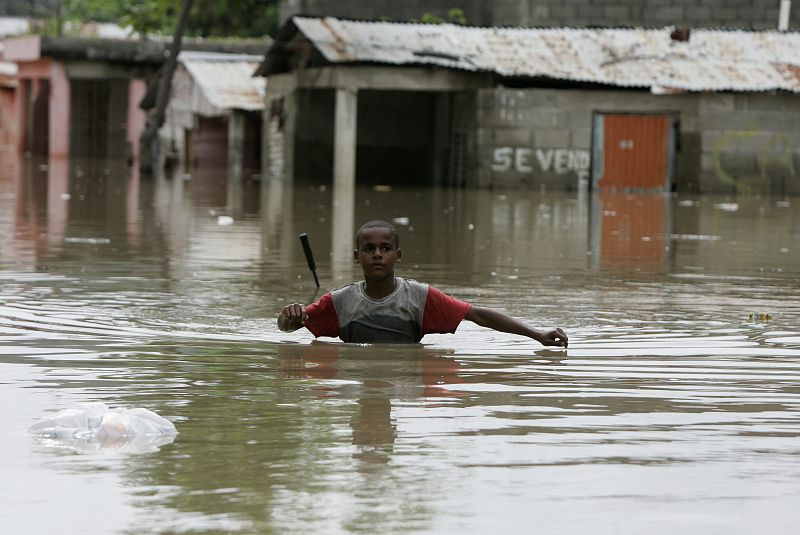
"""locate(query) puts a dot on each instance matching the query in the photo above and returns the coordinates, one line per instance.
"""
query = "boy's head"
(377, 250)
(377, 223)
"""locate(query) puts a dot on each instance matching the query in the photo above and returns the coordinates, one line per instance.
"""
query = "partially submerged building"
(667, 109)
(214, 116)
(81, 96)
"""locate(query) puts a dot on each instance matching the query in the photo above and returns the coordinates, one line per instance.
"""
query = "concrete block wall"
(727, 143)
(754, 14)
(750, 143)
(751, 14)
(477, 13)
(541, 138)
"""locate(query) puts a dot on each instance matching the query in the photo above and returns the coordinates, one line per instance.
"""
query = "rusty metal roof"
(226, 80)
(711, 60)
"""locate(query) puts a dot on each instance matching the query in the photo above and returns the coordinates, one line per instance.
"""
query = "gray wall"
(542, 138)
(758, 14)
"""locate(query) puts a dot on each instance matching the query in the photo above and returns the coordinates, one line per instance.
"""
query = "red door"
(634, 152)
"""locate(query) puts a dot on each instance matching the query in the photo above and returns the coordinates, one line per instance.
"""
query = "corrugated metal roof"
(226, 80)
(711, 60)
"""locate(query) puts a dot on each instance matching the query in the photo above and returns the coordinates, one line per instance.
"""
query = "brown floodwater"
(673, 408)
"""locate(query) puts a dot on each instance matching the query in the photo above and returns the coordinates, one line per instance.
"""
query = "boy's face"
(377, 253)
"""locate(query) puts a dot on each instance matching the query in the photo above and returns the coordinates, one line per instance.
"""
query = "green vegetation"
(455, 15)
(209, 18)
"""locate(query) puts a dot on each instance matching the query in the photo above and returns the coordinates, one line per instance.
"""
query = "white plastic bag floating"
(93, 426)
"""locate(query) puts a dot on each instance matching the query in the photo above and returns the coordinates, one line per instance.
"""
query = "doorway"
(633, 150)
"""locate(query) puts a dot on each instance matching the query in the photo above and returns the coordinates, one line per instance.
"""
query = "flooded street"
(672, 409)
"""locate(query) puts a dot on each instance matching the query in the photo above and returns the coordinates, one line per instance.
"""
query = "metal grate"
(459, 154)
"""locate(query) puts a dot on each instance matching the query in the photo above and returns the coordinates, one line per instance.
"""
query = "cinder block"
(713, 102)
(669, 13)
(542, 97)
(615, 13)
(591, 11)
(698, 14)
(554, 138)
(545, 118)
(738, 164)
(761, 102)
(511, 137)
(726, 14)
(564, 11)
(581, 138)
(577, 119)
(540, 12)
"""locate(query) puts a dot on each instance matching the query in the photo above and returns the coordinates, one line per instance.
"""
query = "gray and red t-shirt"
(413, 310)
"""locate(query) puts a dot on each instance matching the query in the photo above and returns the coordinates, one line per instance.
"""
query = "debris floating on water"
(727, 206)
(695, 237)
(760, 316)
(401, 221)
(224, 220)
(92, 241)
(92, 426)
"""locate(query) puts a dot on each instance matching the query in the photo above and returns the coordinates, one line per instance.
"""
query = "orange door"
(636, 151)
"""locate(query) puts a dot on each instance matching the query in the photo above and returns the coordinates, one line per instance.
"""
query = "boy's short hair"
(377, 223)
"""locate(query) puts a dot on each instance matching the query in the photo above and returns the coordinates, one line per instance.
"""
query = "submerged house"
(80, 97)
(213, 119)
(652, 109)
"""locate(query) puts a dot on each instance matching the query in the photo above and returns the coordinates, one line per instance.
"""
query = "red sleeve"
(322, 319)
(442, 313)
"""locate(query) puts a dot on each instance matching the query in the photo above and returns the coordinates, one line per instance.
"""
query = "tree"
(211, 18)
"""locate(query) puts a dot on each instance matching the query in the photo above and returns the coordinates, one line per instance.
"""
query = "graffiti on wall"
(775, 152)
(525, 160)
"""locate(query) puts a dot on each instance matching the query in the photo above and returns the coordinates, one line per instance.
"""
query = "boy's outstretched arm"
(292, 317)
(494, 319)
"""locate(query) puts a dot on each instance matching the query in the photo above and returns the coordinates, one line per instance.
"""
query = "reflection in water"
(630, 229)
(671, 405)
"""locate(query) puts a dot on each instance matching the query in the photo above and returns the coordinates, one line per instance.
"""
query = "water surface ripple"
(673, 408)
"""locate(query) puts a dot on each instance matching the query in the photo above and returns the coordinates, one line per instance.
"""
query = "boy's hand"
(292, 317)
(553, 337)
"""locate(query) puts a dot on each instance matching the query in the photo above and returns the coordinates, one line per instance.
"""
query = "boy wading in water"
(384, 308)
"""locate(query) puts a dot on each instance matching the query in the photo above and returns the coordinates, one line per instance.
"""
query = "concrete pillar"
(59, 112)
(344, 181)
(344, 139)
(280, 117)
(137, 118)
(21, 102)
(236, 122)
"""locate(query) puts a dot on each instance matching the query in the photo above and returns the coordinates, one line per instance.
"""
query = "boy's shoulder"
(349, 287)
